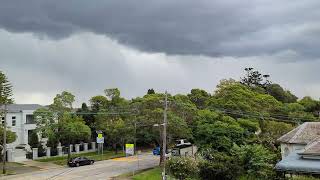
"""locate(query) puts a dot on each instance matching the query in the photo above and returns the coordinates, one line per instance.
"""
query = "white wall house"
(300, 150)
(21, 121)
(299, 138)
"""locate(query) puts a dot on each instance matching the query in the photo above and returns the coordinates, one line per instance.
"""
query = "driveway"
(99, 170)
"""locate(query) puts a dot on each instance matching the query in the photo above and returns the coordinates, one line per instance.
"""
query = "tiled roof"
(21, 107)
(313, 148)
(303, 134)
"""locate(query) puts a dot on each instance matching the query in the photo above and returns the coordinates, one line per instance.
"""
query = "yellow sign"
(130, 149)
(129, 145)
(100, 136)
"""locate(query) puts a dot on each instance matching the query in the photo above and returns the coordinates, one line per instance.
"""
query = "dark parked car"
(79, 161)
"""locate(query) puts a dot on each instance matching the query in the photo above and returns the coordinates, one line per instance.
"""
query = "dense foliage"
(5, 99)
(235, 127)
(59, 124)
(182, 168)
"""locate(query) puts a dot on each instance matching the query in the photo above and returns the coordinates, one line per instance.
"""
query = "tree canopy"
(235, 127)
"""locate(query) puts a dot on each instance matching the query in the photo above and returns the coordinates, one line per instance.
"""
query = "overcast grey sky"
(86, 46)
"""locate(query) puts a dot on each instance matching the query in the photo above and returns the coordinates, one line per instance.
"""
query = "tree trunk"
(114, 145)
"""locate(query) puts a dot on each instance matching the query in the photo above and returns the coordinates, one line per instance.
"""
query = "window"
(30, 119)
(13, 121)
(286, 152)
(2, 120)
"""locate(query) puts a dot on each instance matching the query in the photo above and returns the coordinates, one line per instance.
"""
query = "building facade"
(300, 150)
(20, 120)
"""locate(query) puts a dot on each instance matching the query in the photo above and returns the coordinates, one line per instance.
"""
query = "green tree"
(151, 91)
(99, 103)
(217, 165)
(117, 102)
(46, 122)
(87, 115)
(218, 135)
(5, 90)
(63, 102)
(274, 130)
(310, 104)
(254, 78)
(72, 129)
(199, 97)
(5, 98)
(59, 124)
(10, 138)
(238, 98)
(251, 125)
(34, 140)
(112, 93)
(280, 94)
(182, 106)
(256, 160)
(116, 130)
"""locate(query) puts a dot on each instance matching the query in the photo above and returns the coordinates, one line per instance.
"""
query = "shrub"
(256, 160)
(218, 165)
(182, 167)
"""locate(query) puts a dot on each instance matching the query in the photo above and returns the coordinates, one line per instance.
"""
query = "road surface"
(99, 170)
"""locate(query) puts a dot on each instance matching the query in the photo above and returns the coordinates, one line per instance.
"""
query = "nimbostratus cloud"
(86, 46)
(87, 63)
(213, 28)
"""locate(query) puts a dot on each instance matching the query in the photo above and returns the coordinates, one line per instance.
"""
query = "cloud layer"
(87, 63)
(206, 27)
(86, 46)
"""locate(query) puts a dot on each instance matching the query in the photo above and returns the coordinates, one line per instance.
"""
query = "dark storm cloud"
(86, 63)
(215, 28)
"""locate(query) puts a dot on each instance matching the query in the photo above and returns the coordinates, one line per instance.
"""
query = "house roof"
(295, 163)
(21, 107)
(313, 148)
(303, 134)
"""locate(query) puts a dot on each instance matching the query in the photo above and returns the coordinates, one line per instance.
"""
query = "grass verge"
(62, 160)
(150, 174)
(10, 166)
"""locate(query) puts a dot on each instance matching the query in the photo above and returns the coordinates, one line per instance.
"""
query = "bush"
(218, 165)
(34, 140)
(256, 160)
(182, 167)
(29, 155)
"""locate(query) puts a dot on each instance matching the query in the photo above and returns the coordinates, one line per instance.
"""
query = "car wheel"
(91, 162)
(77, 164)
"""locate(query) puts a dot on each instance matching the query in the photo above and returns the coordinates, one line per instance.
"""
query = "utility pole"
(4, 139)
(135, 144)
(164, 137)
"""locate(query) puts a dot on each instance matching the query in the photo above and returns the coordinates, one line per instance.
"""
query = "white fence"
(74, 149)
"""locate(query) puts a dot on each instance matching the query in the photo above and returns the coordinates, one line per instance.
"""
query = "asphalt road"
(99, 170)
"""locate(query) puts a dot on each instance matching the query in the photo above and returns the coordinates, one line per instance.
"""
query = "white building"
(21, 121)
(300, 150)
(299, 138)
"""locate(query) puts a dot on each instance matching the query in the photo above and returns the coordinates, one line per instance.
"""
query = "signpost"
(129, 149)
(100, 141)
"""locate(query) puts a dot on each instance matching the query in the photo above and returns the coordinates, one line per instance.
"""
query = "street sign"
(100, 139)
(100, 136)
(130, 149)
